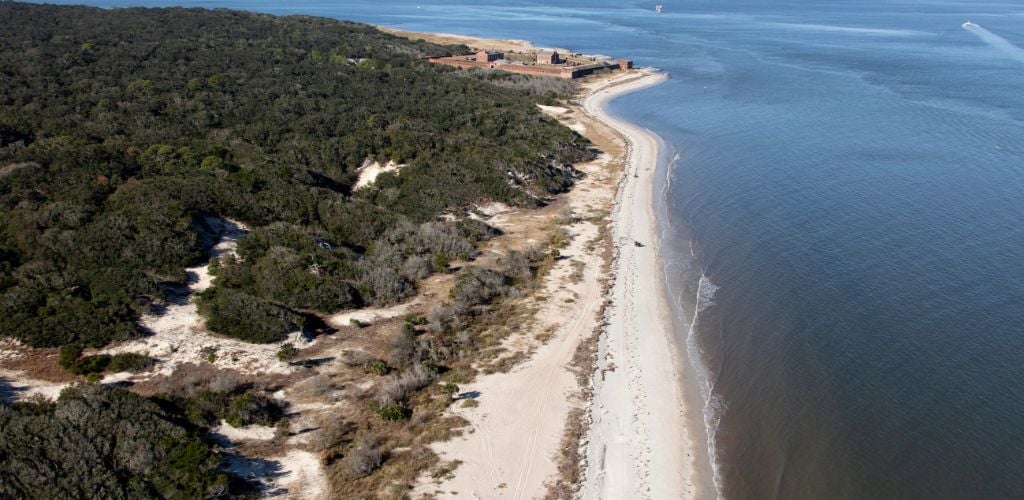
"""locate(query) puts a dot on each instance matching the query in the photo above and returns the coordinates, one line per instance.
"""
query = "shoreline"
(623, 421)
(640, 414)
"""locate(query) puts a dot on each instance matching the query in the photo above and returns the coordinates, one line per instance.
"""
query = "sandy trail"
(638, 445)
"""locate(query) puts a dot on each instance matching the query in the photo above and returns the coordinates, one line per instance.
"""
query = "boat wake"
(995, 41)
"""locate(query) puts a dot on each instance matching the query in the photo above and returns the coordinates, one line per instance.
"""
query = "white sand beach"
(638, 445)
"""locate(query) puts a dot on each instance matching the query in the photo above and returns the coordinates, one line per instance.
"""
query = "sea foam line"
(714, 405)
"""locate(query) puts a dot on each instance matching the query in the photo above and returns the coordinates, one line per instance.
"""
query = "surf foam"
(714, 404)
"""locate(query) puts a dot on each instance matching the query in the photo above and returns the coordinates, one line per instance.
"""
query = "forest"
(101, 442)
(123, 131)
(126, 133)
(105, 442)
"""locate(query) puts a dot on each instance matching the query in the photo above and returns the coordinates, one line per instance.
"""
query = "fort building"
(541, 63)
(548, 57)
(489, 56)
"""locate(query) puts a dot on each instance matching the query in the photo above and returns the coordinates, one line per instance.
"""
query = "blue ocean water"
(843, 209)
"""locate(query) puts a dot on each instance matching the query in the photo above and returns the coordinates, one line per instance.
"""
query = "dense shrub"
(479, 286)
(286, 352)
(99, 363)
(90, 364)
(252, 409)
(237, 314)
(377, 367)
(130, 362)
(68, 355)
(393, 412)
(364, 457)
(101, 442)
(239, 407)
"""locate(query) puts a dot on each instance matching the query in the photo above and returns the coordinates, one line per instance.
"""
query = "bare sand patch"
(301, 476)
(236, 434)
(17, 386)
(553, 111)
(370, 315)
(369, 171)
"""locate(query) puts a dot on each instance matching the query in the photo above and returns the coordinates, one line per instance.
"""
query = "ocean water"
(843, 199)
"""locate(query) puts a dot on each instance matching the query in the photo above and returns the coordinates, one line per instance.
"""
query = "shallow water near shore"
(841, 225)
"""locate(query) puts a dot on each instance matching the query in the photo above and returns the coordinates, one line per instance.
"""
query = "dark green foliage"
(121, 129)
(69, 354)
(409, 330)
(237, 314)
(130, 362)
(475, 230)
(441, 261)
(101, 442)
(415, 319)
(393, 412)
(90, 365)
(450, 389)
(71, 361)
(239, 407)
(377, 367)
(286, 352)
(252, 409)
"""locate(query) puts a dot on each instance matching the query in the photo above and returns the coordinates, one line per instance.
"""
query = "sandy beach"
(639, 444)
(630, 424)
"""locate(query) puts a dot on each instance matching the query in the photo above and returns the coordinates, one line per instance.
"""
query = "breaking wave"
(714, 404)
